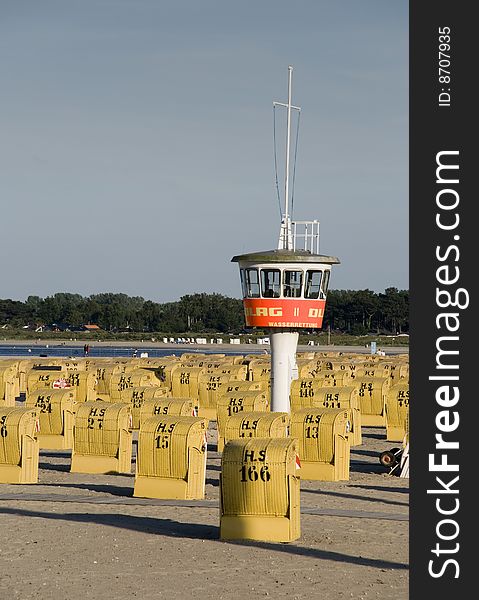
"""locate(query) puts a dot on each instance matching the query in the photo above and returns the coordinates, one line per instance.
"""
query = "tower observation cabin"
(284, 290)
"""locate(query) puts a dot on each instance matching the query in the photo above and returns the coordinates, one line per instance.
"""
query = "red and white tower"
(284, 290)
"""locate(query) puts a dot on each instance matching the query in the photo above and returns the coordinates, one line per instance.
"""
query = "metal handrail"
(308, 233)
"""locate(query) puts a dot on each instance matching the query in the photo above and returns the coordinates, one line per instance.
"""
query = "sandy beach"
(81, 536)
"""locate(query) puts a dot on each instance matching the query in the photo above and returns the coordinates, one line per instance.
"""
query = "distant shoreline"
(217, 348)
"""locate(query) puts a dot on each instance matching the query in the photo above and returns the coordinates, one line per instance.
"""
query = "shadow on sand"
(178, 529)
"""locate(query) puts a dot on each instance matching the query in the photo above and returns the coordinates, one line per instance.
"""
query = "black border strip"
(442, 567)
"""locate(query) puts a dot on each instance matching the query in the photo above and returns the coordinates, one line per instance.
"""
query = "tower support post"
(284, 368)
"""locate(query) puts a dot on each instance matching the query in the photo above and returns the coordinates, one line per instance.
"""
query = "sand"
(79, 536)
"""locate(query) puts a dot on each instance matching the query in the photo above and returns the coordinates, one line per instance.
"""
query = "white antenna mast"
(285, 241)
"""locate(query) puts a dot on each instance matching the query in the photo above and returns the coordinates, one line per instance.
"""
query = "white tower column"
(284, 368)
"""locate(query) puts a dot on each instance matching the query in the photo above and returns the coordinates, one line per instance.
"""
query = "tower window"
(270, 283)
(250, 282)
(313, 284)
(292, 281)
(325, 285)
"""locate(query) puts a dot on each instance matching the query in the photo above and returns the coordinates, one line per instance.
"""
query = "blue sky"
(136, 147)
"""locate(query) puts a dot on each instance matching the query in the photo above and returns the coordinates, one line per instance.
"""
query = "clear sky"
(136, 141)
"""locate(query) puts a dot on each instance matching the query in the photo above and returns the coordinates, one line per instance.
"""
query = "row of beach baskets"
(380, 383)
(96, 408)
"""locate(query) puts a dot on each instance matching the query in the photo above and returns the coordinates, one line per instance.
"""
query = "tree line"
(350, 311)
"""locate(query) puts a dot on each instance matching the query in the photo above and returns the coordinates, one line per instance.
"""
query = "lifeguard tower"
(284, 290)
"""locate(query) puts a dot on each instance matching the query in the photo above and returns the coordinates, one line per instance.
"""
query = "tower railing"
(305, 235)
